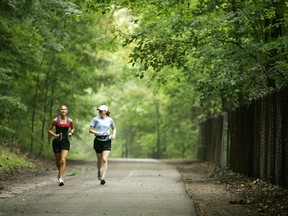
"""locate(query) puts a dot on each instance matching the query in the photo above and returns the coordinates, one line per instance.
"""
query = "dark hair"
(62, 106)
(108, 113)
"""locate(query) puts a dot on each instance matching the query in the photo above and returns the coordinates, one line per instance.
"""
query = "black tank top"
(63, 128)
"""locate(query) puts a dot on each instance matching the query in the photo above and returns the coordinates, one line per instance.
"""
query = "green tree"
(236, 46)
(47, 61)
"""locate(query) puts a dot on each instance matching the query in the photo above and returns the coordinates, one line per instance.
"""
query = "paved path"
(134, 187)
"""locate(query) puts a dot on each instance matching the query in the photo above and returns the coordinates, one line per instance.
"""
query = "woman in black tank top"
(61, 143)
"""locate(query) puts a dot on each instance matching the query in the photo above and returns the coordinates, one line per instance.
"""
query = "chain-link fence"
(256, 141)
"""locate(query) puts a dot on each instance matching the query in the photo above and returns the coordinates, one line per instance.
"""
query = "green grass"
(10, 162)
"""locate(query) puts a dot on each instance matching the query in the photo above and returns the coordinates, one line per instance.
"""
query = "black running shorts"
(101, 146)
(58, 145)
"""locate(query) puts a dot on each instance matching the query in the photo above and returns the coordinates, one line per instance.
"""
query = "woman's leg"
(57, 160)
(63, 157)
(105, 155)
(99, 161)
(99, 165)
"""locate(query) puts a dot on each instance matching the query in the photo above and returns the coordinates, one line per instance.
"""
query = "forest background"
(161, 67)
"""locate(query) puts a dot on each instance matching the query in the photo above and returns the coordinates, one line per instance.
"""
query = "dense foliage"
(232, 51)
(45, 61)
(194, 59)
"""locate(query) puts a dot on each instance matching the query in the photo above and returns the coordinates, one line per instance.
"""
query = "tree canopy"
(232, 51)
(162, 66)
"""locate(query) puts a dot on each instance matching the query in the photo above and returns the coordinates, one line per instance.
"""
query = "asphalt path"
(140, 187)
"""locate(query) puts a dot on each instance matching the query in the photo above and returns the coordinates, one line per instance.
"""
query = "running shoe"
(61, 182)
(102, 182)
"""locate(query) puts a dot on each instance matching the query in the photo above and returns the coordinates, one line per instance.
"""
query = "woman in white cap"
(100, 127)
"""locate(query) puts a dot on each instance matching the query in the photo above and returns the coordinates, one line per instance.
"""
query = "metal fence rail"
(256, 141)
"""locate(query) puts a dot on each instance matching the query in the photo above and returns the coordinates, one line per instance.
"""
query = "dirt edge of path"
(217, 191)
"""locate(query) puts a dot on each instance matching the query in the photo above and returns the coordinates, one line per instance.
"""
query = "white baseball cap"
(103, 108)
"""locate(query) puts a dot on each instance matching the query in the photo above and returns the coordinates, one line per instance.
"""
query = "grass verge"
(10, 161)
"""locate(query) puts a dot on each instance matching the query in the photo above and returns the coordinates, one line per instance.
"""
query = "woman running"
(100, 127)
(61, 143)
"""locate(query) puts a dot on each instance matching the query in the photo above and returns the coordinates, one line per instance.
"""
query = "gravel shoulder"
(218, 191)
(214, 191)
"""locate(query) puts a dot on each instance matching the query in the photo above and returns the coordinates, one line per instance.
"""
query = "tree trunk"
(34, 104)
